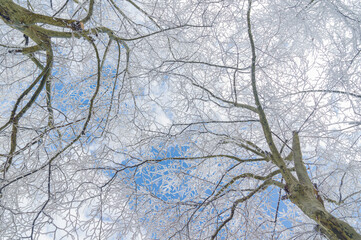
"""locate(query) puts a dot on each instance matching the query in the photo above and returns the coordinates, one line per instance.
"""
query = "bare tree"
(180, 119)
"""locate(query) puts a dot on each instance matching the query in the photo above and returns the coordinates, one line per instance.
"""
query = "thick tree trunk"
(335, 228)
(306, 197)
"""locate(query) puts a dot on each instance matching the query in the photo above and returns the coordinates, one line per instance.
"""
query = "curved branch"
(262, 187)
(209, 156)
(20, 18)
(15, 118)
(240, 105)
(87, 120)
(254, 176)
(331, 91)
(210, 65)
(90, 12)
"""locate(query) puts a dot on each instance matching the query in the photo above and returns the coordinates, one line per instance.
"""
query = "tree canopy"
(125, 119)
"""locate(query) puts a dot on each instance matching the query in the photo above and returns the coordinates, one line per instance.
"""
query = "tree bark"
(308, 203)
(301, 190)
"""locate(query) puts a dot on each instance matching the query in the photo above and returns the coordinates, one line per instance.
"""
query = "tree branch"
(299, 165)
(262, 187)
(276, 156)
(254, 176)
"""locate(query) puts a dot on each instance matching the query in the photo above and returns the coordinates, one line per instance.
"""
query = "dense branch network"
(184, 88)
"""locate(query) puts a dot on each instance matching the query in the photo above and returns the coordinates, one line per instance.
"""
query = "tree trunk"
(335, 228)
